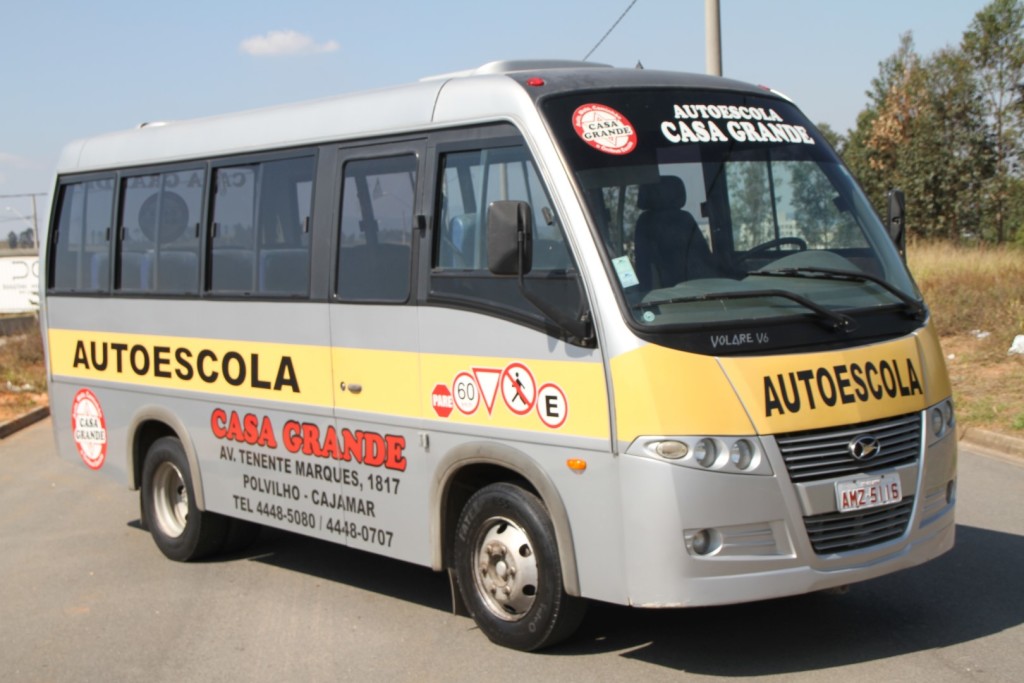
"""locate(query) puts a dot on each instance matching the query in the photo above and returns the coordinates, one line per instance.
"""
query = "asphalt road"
(86, 596)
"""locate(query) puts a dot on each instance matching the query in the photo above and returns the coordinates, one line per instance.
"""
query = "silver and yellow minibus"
(564, 331)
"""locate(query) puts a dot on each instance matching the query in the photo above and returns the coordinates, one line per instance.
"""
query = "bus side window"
(259, 237)
(80, 244)
(158, 246)
(469, 182)
(283, 224)
(375, 245)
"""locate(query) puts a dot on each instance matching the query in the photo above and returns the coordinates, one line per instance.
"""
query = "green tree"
(879, 148)
(751, 202)
(951, 153)
(923, 131)
(994, 47)
(811, 201)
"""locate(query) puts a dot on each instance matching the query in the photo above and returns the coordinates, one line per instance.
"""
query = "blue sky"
(70, 69)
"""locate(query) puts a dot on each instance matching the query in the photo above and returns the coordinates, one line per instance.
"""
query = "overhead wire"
(609, 31)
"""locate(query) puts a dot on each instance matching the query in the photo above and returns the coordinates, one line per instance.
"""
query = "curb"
(994, 441)
(8, 428)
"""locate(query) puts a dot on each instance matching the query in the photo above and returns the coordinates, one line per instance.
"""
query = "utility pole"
(712, 38)
(35, 221)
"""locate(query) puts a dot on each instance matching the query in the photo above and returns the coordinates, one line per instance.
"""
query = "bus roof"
(494, 91)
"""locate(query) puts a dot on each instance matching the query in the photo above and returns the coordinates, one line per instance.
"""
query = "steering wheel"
(772, 244)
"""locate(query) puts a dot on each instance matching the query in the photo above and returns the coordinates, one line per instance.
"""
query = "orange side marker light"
(577, 465)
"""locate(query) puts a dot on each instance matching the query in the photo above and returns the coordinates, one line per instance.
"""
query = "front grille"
(836, 532)
(824, 453)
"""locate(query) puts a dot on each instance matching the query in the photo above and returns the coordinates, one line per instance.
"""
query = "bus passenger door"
(375, 352)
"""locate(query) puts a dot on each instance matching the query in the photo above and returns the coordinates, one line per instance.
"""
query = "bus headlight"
(673, 450)
(937, 422)
(732, 454)
(741, 454)
(941, 419)
(705, 452)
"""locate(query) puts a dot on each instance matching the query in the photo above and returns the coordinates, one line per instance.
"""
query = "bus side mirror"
(895, 221)
(509, 238)
(510, 252)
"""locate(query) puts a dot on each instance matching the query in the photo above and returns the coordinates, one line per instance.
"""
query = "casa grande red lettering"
(165, 362)
(840, 384)
(248, 428)
(368, 448)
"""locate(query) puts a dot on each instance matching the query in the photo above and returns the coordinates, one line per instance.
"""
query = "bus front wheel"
(179, 528)
(510, 579)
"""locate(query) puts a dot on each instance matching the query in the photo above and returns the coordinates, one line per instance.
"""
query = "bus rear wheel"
(181, 530)
(509, 576)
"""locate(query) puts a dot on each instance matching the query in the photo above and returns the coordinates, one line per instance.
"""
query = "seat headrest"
(668, 193)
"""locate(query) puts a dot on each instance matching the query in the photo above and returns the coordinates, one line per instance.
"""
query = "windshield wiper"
(913, 306)
(830, 319)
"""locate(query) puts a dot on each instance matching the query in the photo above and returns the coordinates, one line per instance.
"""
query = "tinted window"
(376, 229)
(729, 194)
(159, 245)
(260, 232)
(469, 182)
(80, 244)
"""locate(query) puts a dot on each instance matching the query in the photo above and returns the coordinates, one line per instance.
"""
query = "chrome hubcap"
(506, 573)
(170, 499)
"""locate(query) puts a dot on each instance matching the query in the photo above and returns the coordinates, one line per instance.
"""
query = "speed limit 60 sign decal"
(518, 388)
(466, 392)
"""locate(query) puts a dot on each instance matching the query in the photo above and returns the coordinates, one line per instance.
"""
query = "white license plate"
(860, 494)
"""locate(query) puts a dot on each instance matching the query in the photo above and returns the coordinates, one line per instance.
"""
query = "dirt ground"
(14, 405)
(22, 375)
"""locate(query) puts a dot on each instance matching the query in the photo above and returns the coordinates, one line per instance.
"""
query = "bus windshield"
(721, 207)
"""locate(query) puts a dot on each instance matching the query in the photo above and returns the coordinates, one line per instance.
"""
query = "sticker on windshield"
(604, 129)
(624, 269)
(725, 123)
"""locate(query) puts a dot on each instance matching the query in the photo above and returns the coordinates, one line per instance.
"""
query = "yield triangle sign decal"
(487, 379)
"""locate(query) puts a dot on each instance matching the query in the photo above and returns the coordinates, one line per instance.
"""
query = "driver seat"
(669, 245)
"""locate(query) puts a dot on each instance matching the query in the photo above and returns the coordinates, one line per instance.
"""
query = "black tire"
(179, 528)
(506, 563)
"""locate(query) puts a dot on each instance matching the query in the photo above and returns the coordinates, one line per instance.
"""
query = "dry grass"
(976, 295)
(972, 288)
(22, 374)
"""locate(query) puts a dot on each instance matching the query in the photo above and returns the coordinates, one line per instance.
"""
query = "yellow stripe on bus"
(663, 391)
(690, 394)
(275, 372)
(813, 390)
(658, 390)
(566, 397)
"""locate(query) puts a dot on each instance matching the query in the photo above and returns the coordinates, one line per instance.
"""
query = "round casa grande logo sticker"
(89, 428)
(604, 129)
